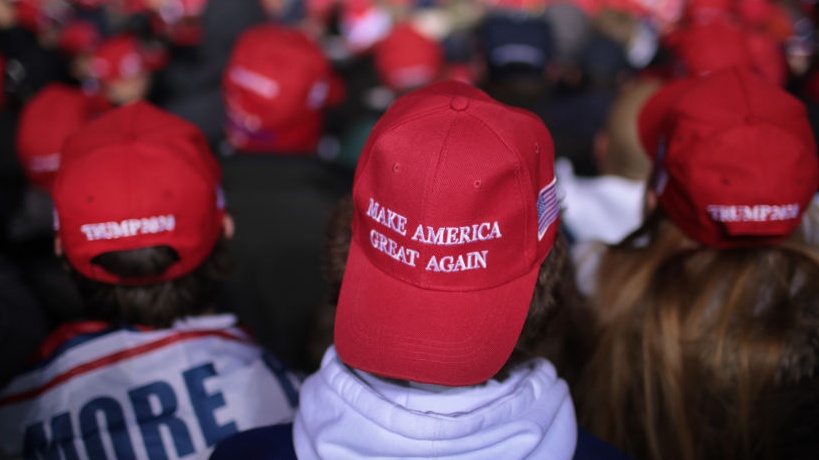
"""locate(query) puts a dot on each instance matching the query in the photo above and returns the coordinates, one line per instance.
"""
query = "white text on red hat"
(129, 227)
(439, 236)
(255, 82)
(756, 213)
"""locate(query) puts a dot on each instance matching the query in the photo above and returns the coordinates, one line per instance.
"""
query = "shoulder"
(274, 442)
(590, 447)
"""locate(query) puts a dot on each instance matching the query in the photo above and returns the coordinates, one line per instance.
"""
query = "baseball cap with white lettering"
(47, 119)
(137, 177)
(455, 211)
(735, 158)
(275, 87)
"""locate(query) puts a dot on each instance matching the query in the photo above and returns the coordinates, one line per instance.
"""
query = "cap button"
(459, 103)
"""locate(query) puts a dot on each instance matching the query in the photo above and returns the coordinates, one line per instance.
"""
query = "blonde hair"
(695, 344)
(624, 154)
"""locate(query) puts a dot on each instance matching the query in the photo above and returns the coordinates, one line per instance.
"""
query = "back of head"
(706, 311)
(52, 115)
(734, 158)
(122, 66)
(721, 41)
(138, 212)
(406, 59)
(454, 213)
(623, 154)
(275, 87)
(517, 47)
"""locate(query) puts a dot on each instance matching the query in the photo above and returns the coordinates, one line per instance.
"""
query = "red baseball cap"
(275, 86)
(79, 37)
(455, 210)
(46, 121)
(721, 43)
(123, 56)
(406, 59)
(735, 157)
(137, 177)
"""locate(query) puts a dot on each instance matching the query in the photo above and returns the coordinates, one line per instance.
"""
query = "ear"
(228, 226)
(58, 246)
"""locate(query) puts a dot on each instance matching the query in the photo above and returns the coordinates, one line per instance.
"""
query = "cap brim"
(393, 329)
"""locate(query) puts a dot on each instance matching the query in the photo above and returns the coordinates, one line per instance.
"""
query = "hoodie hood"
(350, 414)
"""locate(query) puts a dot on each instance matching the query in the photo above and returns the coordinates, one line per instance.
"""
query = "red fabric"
(276, 86)
(407, 59)
(445, 157)
(138, 177)
(735, 158)
(46, 121)
(66, 332)
(113, 358)
(709, 45)
(79, 37)
(123, 56)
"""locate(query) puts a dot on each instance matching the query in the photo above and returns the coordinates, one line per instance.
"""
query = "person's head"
(78, 40)
(734, 158)
(406, 59)
(704, 311)
(123, 68)
(140, 215)
(703, 47)
(517, 50)
(617, 148)
(276, 86)
(179, 21)
(47, 119)
(452, 243)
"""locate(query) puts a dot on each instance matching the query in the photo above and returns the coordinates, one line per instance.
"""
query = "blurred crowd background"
(63, 62)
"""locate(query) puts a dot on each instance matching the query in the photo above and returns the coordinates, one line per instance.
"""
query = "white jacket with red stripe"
(100, 392)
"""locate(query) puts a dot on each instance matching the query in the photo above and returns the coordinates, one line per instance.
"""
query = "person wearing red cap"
(707, 314)
(154, 372)
(123, 68)
(406, 59)
(277, 87)
(46, 121)
(450, 278)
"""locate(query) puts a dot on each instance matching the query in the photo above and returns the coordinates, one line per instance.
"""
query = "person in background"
(47, 120)
(153, 371)
(608, 206)
(404, 60)
(122, 67)
(707, 314)
(276, 89)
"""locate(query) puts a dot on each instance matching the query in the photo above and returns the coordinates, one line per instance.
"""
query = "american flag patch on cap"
(547, 208)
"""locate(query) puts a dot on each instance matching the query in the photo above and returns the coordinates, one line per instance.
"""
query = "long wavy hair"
(555, 327)
(703, 353)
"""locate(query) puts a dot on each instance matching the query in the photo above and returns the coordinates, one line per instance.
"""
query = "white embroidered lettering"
(448, 264)
(448, 236)
(387, 217)
(128, 228)
(756, 213)
(393, 249)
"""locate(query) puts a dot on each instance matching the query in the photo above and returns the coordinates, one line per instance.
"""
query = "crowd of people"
(342, 229)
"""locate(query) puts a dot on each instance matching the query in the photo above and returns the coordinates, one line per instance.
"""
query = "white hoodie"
(603, 208)
(349, 414)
